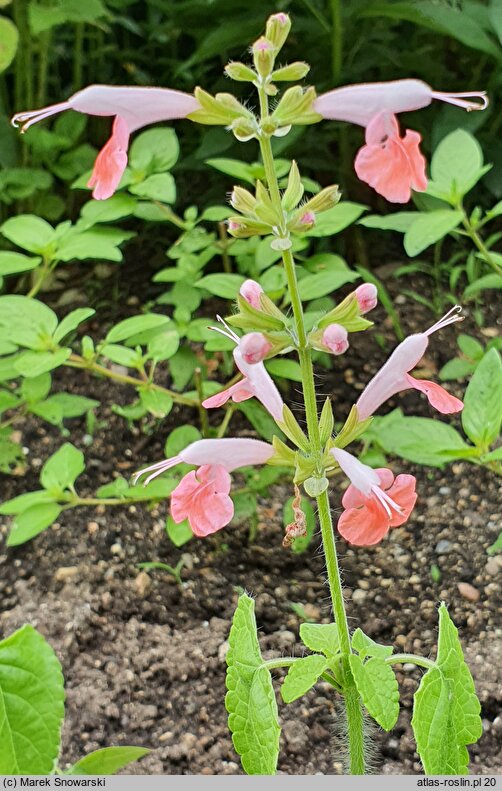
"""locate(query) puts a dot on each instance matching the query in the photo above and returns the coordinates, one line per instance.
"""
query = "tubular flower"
(254, 347)
(133, 108)
(256, 383)
(251, 292)
(393, 376)
(374, 502)
(202, 496)
(391, 164)
(367, 297)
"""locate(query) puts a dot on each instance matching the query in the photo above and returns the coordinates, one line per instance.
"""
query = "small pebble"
(468, 591)
(443, 547)
(142, 583)
(359, 596)
(493, 566)
(65, 573)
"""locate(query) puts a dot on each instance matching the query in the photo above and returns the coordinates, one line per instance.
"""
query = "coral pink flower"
(374, 502)
(133, 108)
(251, 291)
(393, 376)
(391, 164)
(257, 382)
(202, 496)
(254, 347)
(367, 297)
(335, 339)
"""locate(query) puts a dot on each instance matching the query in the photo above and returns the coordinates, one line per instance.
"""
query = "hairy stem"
(353, 707)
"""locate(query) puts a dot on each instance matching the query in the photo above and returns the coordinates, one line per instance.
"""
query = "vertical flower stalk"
(351, 696)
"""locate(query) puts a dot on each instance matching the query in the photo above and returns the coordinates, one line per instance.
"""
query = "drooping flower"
(393, 376)
(391, 164)
(133, 108)
(367, 297)
(374, 502)
(257, 382)
(335, 339)
(202, 496)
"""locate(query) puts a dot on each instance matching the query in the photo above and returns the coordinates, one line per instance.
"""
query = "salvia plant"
(316, 457)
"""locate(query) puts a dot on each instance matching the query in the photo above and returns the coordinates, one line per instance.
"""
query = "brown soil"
(144, 659)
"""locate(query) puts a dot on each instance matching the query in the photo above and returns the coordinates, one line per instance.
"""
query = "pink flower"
(251, 291)
(374, 502)
(254, 347)
(202, 496)
(257, 382)
(393, 376)
(391, 164)
(367, 297)
(133, 108)
(335, 339)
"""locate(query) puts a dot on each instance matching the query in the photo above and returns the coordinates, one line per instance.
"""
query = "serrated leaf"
(446, 709)
(31, 704)
(377, 686)
(107, 761)
(322, 637)
(482, 413)
(302, 676)
(63, 468)
(31, 522)
(365, 646)
(250, 700)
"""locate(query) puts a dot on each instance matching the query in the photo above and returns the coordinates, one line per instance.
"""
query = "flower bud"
(292, 72)
(324, 200)
(367, 297)
(277, 29)
(242, 200)
(243, 227)
(263, 56)
(334, 339)
(244, 128)
(239, 72)
(254, 347)
(251, 291)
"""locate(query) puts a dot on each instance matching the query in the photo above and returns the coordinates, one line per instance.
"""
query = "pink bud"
(251, 291)
(334, 339)
(254, 347)
(367, 297)
(234, 226)
(281, 17)
(307, 219)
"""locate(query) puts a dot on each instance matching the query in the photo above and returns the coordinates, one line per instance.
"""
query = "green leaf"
(11, 453)
(261, 420)
(158, 187)
(31, 522)
(62, 469)
(110, 210)
(31, 704)
(180, 438)
(250, 700)
(486, 282)
(377, 686)
(365, 646)
(399, 221)
(30, 232)
(9, 38)
(98, 242)
(180, 533)
(245, 506)
(446, 709)
(154, 151)
(32, 364)
(470, 346)
(302, 676)
(26, 321)
(336, 219)
(71, 322)
(24, 501)
(429, 228)
(72, 405)
(285, 369)
(456, 166)
(43, 17)
(36, 388)
(13, 263)
(456, 369)
(496, 546)
(134, 325)
(322, 283)
(159, 404)
(164, 345)
(48, 411)
(322, 637)
(107, 761)
(225, 286)
(482, 413)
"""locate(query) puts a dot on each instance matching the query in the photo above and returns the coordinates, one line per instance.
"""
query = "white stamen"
(384, 498)
(26, 119)
(227, 332)
(159, 467)
(462, 99)
(449, 318)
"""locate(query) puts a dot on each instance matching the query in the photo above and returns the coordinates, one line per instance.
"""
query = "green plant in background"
(32, 695)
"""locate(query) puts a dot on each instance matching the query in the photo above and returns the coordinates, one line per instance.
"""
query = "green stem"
(78, 56)
(224, 245)
(43, 66)
(352, 702)
(412, 659)
(477, 240)
(287, 661)
(75, 361)
(336, 41)
(226, 420)
(204, 423)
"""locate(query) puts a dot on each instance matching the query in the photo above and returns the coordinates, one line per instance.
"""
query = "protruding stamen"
(229, 332)
(449, 318)
(159, 468)
(463, 99)
(386, 501)
(26, 119)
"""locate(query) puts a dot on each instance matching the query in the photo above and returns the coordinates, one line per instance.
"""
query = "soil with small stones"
(144, 658)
